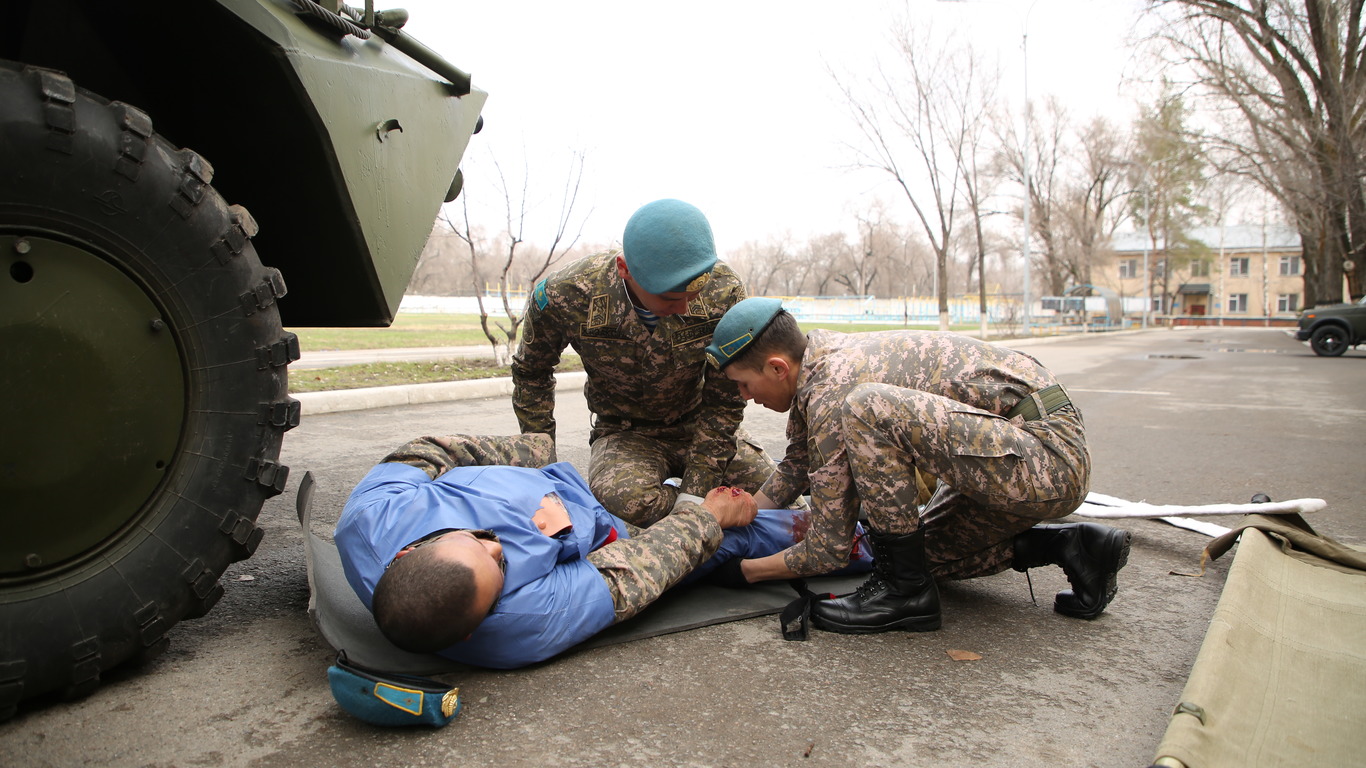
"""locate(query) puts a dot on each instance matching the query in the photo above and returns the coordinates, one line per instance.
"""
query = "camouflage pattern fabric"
(653, 383)
(639, 569)
(626, 469)
(999, 476)
(871, 409)
(437, 455)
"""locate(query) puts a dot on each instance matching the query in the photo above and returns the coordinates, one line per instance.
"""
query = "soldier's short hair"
(424, 603)
(782, 336)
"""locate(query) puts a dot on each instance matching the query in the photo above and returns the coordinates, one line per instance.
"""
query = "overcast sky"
(730, 105)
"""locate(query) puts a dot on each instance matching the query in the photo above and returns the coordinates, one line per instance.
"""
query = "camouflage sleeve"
(533, 365)
(722, 410)
(437, 455)
(834, 511)
(834, 500)
(639, 569)
(789, 480)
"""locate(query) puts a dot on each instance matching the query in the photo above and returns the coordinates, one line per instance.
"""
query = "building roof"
(1244, 237)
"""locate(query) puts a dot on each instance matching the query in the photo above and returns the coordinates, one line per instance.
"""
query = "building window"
(1290, 265)
(1287, 302)
(1238, 266)
(1200, 268)
(1237, 302)
(1128, 268)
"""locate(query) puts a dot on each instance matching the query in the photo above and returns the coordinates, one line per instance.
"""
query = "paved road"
(1192, 416)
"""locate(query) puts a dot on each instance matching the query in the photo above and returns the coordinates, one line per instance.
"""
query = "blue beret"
(392, 699)
(739, 326)
(668, 247)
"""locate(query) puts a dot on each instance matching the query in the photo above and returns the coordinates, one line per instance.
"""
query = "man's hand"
(732, 507)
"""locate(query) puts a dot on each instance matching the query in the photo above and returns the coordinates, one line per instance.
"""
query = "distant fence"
(845, 309)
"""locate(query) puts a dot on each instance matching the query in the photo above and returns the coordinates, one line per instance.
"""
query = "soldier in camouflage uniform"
(867, 410)
(481, 549)
(640, 321)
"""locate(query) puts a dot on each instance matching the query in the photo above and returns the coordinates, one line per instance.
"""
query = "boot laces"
(874, 584)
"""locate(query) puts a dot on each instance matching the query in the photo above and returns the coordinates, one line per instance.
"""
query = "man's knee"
(637, 500)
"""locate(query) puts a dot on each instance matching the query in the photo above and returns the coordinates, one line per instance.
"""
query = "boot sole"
(912, 624)
(1116, 548)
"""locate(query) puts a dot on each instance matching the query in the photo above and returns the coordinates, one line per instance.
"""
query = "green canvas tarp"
(1280, 679)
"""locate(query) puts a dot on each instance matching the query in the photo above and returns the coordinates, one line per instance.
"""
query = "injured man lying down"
(485, 551)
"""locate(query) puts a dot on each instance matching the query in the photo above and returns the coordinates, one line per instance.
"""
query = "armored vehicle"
(147, 151)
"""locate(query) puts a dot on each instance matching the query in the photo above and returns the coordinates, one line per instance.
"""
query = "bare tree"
(765, 268)
(516, 265)
(818, 259)
(1048, 132)
(440, 269)
(1293, 73)
(979, 178)
(1092, 204)
(912, 118)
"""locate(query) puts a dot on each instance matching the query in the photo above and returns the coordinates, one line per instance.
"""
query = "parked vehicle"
(143, 361)
(1331, 330)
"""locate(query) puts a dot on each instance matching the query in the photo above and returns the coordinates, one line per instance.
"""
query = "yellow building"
(1241, 275)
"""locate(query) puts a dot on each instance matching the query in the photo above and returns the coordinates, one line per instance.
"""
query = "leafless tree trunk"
(502, 332)
(912, 119)
(1091, 209)
(1294, 74)
(1048, 137)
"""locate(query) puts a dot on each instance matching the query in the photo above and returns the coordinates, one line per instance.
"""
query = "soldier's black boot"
(1089, 553)
(899, 594)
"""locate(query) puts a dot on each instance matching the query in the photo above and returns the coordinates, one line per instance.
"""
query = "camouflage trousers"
(639, 569)
(998, 477)
(627, 470)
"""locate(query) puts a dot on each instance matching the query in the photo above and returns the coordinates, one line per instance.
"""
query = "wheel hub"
(95, 403)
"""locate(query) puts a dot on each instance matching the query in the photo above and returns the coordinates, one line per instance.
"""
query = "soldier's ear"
(621, 267)
(779, 365)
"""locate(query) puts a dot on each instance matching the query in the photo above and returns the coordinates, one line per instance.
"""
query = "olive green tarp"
(1280, 679)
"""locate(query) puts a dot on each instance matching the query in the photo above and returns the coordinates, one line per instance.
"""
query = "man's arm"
(789, 479)
(533, 365)
(717, 418)
(639, 569)
(437, 455)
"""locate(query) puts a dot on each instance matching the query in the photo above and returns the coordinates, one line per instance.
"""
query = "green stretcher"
(1280, 679)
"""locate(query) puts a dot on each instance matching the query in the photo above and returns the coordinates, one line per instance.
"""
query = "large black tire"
(143, 386)
(1329, 340)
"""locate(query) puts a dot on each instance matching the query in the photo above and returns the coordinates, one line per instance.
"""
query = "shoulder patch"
(540, 295)
(598, 307)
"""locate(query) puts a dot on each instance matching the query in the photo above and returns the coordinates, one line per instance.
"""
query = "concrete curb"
(445, 391)
(414, 394)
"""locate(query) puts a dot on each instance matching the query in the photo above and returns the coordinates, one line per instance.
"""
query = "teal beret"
(668, 247)
(738, 327)
(381, 698)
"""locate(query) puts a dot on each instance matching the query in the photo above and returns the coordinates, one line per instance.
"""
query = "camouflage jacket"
(636, 378)
(972, 372)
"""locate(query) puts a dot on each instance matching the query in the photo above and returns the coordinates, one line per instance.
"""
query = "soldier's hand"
(732, 507)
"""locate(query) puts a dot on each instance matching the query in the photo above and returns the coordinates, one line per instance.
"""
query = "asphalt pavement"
(1178, 417)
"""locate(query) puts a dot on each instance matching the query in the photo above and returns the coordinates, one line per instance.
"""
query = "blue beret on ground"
(739, 326)
(668, 247)
(392, 699)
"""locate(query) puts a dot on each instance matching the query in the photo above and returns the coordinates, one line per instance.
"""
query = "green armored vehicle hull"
(149, 152)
